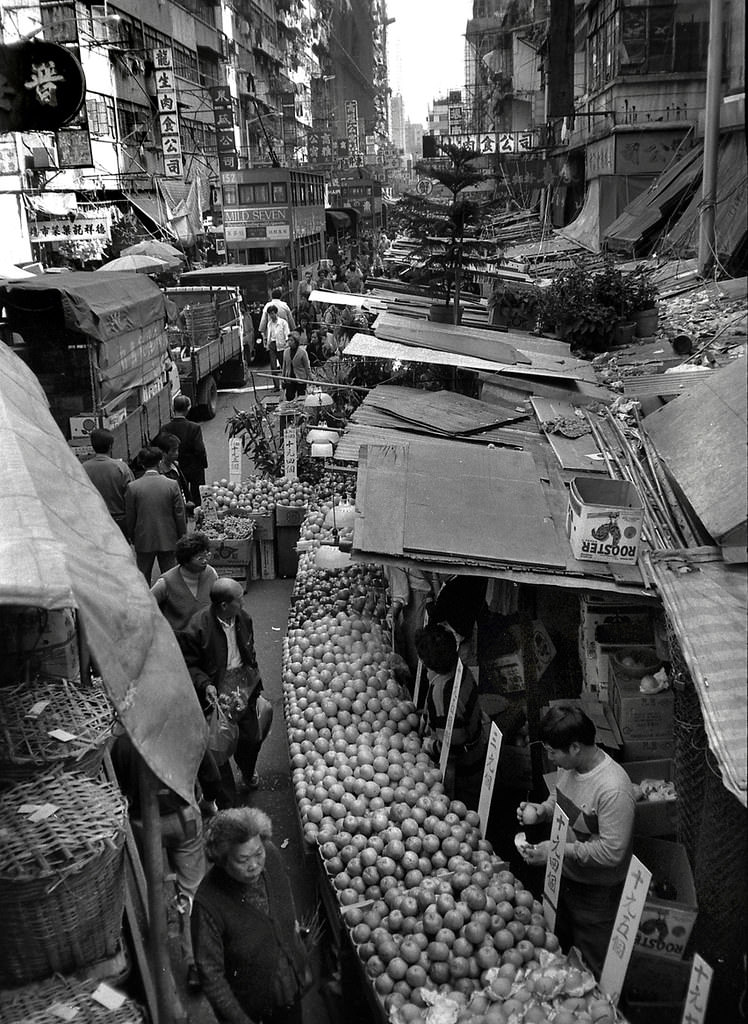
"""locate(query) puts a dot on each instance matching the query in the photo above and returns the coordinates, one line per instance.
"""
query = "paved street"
(267, 602)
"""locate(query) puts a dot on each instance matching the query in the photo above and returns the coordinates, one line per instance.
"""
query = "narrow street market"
(374, 602)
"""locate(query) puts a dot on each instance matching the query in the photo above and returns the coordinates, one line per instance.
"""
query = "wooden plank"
(442, 411)
(382, 512)
(572, 452)
(666, 384)
(484, 504)
(373, 417)
(444, 338)
(361, 434)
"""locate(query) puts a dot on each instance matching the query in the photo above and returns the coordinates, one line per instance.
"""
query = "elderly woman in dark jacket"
(248, 950)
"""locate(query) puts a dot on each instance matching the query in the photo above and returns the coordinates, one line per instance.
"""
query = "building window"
(154, 40)
(100, 112)
(185, 63)
(135, 123)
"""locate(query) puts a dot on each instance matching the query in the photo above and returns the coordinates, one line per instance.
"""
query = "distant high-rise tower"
(397, 128)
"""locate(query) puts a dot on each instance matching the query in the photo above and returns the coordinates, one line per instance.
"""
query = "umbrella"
(137, 263)
(153, 247)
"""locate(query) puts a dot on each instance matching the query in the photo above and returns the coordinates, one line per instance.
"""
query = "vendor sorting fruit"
(598, 796)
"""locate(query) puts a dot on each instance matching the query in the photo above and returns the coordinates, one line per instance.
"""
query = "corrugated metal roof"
(703, 439)
(707, 602)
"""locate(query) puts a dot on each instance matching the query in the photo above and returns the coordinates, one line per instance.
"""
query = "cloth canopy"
(60, 548)
(707, 602)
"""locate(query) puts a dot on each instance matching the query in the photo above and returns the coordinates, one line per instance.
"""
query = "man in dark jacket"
(111, 477)
(155, 516)
(193, 460)
(219, 651)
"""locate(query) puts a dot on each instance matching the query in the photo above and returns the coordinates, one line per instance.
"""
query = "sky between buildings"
(426, 47)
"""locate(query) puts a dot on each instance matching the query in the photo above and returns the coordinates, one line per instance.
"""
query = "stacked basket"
(59, 999)
(62, 842)
(52, 724)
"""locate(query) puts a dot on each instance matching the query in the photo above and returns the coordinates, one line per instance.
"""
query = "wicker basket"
(61, 876)
(27, 749)
(35, 1004)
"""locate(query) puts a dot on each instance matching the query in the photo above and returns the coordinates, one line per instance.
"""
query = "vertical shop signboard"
(554, 866)
(235, 460)
(290, 452)
(168, 112)
(223, 117)
(699, 984)
(351, 126)
(490, 771)
(623, 936)
(451, 715)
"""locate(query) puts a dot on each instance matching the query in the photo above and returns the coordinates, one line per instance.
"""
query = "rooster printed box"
(604, 520)
(670, 910)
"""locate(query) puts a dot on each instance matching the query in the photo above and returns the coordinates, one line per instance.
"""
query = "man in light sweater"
(598, 797)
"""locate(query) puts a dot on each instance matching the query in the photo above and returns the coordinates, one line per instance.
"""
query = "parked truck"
(205, 339)
(99, 347)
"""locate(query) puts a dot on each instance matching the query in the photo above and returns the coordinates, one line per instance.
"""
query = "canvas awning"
(707, 602)
(154, 209)
(59, 548)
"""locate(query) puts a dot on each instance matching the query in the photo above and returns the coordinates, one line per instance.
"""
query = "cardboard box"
(666, 924)
(604, 520)
(267, 559)
(640, 715)
(290, 515)
(655, 989)
(232, 555)
(653, 817)
(264, 525)
(650, 749)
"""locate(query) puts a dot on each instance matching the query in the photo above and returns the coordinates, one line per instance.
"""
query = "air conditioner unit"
(40, 159)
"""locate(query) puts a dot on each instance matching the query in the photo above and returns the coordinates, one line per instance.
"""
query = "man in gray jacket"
(155, 515)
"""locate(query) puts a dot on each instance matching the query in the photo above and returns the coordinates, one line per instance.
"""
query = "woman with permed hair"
(183, 590)
(248, 951)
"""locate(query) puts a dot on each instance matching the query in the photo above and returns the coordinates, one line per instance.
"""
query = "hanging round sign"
(425, 186)
(42, 86)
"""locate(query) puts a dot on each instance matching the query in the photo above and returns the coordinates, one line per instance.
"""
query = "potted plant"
(571, 307)
(643, 302)
(444, 229)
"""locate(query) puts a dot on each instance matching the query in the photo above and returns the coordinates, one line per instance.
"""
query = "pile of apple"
(434, 913)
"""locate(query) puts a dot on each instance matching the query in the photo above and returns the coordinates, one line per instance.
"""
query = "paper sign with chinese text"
(490, 770)
(451, 715)
(235, 460)
(290, 453)
(623, 937)
(554, 866)
(699, 985)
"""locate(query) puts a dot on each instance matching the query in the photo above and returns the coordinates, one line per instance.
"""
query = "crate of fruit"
(227, 527)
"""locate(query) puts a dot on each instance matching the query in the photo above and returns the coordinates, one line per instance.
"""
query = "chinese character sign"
(290, 452)
(490, 771)
(168, 112)
(698, 991)
(41, 86)
(554, 865)
(622, 939)
(351, 125)
(451, 715)
(223, 117)
(235, 460)
(94, 226)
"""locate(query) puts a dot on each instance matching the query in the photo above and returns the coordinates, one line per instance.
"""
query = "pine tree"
(445, 230)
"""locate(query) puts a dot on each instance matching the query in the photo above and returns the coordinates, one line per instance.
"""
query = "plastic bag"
(223, 735)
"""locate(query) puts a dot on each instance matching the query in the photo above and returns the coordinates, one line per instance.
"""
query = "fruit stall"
(427, 909)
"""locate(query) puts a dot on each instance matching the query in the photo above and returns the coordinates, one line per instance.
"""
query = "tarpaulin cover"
(59, 548)
(707, 602)
(123, 312)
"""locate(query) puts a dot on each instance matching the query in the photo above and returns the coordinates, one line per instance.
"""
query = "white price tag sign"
(490, 771)
(451, 715)
(290, 454)
(554, 865)
(699, 985)
(235, 460)
(623, 937)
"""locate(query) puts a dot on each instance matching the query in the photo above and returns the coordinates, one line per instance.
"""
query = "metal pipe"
(707, 237)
